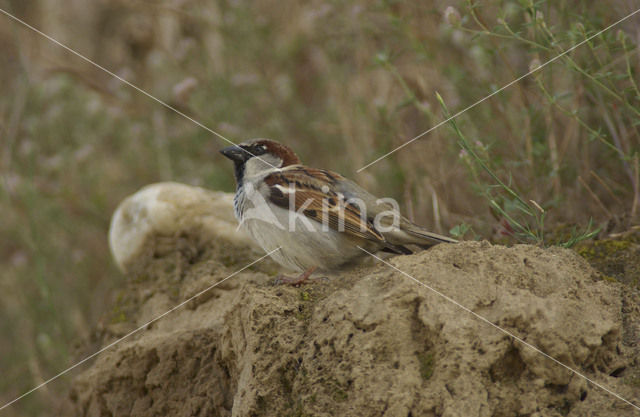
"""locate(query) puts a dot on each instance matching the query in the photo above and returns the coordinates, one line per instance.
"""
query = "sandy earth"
(365, 342)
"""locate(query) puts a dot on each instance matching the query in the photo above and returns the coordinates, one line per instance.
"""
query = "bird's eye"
(258, 150)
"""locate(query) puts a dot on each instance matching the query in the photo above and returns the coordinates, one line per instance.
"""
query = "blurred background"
(342, 82)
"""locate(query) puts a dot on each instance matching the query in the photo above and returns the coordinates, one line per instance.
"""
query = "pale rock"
(169, 209)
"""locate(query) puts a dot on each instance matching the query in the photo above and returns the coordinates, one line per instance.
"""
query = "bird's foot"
(300, 279)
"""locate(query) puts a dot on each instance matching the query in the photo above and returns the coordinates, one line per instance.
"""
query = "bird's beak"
(235, 153)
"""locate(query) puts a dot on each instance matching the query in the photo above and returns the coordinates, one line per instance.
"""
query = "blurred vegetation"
(341, 82)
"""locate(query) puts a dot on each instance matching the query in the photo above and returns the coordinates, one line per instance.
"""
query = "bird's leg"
(302, 278)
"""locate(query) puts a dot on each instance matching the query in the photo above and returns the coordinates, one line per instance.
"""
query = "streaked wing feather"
(308, 184)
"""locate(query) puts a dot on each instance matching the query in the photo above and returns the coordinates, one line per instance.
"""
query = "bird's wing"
(317, 194)
(398, 230)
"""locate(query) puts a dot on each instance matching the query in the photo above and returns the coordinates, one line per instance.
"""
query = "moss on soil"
(617, 258)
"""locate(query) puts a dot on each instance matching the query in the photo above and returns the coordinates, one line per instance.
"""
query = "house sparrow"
(318, 218)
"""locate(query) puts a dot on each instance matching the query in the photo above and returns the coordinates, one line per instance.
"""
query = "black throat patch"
(239, 172)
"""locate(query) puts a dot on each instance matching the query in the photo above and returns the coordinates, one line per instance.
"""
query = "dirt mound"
(368, 341)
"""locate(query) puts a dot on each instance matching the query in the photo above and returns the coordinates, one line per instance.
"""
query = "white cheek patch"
(259, 166)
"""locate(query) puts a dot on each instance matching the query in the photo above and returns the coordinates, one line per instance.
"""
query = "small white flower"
(452, 16)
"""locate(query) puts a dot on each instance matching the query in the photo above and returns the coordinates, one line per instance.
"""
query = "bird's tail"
(425, 238)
